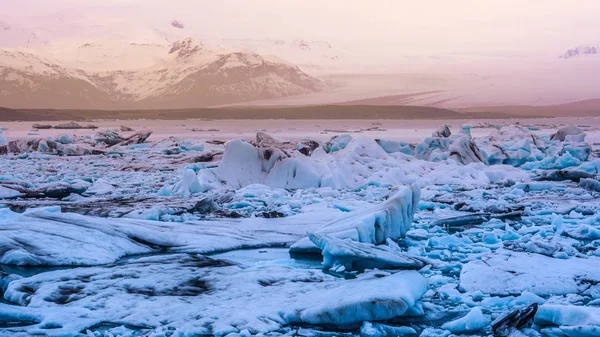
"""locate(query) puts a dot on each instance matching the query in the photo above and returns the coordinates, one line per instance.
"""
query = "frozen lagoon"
(161, 239)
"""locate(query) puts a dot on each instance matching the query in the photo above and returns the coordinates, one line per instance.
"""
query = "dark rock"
(228, 214)
(204, 206)
(41, 126)
(110, 138)
(272, 214)
(58, 191)
(518, 319)
(307, 147)
(73, 125)
(125, 128)
(206, 157)
(561, 175)
(137, 138)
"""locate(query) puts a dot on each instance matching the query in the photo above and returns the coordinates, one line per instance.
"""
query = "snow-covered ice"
(115, 235)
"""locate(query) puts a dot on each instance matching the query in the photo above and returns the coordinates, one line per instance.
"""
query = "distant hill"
(587, 108)
(305, 112)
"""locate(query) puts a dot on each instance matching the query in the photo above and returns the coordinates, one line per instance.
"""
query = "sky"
(383, 26)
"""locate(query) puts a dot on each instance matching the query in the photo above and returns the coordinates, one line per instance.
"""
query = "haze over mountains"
(182, 74)
(72, 57)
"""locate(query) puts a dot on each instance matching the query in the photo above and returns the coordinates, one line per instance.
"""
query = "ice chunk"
(474, 321)
(592, 167)
(391, 219)
(567, 315)
(557, 162)
(504, 174)
(100, 187)
(580, 151)
(8, 193)
(244, 164)
(337, 143)
(584, 232)
(466, 130)
(506, 273)
(3, 141)
(465, 151)
(188, 184)
(64, 139)
(390, 146)
(590, 184)
(512, 145)
(353, 255)
(425, 148)
(561, 175)
(442, 132)
(48, 237)
(378, 299)
(568, 132)
(369, 329)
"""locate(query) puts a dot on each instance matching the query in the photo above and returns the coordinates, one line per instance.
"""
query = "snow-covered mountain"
(311, 55)
(110, 74)
(314, 56)
(580, 51)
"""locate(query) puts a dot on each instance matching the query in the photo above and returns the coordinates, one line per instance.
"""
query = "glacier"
(352, 236)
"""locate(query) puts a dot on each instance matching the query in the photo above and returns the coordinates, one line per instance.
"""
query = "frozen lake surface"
(301, 228)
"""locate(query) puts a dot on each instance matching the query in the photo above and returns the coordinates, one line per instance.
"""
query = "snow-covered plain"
(494, 228)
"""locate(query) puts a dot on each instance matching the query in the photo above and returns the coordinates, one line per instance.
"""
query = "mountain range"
(124, 75)
(68, 60)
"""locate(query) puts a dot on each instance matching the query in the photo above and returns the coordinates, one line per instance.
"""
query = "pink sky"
(428, 26)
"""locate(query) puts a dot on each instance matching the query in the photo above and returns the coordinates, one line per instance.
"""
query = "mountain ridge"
(183, 74)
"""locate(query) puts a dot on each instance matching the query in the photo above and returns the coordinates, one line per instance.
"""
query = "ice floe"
(117, 235)
(509, 273)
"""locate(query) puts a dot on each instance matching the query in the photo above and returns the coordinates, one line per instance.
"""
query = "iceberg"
(378, 299)
(474, 321)
(352, 255)
(337, 143)
(569, 133)
(389, 220)
(465, 151)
